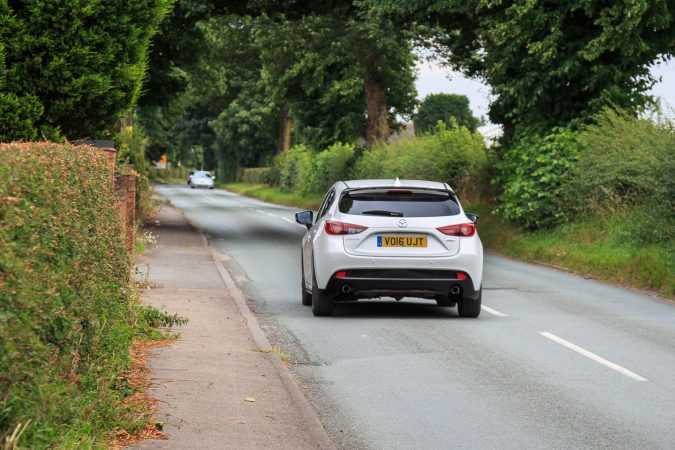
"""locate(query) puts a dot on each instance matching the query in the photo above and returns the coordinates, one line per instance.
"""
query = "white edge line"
(492, 311)
(593, 356)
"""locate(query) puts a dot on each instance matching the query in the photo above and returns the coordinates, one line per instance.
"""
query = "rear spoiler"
(448, 189)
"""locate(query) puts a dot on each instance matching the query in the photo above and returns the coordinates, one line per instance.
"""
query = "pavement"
(554, 360)
(221, 359)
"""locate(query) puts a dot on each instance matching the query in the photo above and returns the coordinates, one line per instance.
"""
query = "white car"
(201, 179)
(391, 238)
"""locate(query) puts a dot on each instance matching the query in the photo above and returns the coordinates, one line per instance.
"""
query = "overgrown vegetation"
(67, 309)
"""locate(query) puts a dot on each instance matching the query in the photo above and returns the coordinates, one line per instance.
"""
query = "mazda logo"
(402, 223)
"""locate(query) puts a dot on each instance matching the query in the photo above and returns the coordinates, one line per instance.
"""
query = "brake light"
(341, 274)
(336, 228)
(464, 229)
(461, 276)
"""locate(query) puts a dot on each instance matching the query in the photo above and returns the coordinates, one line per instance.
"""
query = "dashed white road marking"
(290, 221)
(492, 311)
(258, 211)
(593, 356)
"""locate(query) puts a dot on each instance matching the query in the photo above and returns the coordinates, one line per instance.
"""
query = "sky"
(433, 79)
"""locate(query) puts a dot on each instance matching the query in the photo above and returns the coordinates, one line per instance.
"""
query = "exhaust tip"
(455, 290)
(346, 289)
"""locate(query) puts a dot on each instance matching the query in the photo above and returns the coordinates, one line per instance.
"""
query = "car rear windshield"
(399, 203)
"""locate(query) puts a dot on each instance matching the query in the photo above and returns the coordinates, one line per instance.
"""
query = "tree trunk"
(285, 125)
(377, 128)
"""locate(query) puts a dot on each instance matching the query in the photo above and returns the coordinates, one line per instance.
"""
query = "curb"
(306, 409)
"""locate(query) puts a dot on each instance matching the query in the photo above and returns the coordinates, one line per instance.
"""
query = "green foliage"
(549, 63)
(448, 155)
(72, 68)
(532, 176)
(65, 315)
(626, 162)
(257, 175)
(287, 166)
(443, 107)
(307, 172)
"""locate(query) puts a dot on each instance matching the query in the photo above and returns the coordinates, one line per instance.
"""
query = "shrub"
(256, 175)
(64, 289)
(532, 175)
(448, 155)
(626, 162)
(286, 166)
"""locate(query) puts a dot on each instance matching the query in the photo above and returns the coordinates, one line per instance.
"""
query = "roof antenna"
(397, 182)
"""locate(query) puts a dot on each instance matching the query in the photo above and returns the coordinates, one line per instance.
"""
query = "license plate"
(401, 241)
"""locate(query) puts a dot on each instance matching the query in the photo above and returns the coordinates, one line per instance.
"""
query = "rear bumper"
(401, 282)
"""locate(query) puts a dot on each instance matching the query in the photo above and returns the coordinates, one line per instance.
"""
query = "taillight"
(341, 274)
(464, 229)
(334, 227)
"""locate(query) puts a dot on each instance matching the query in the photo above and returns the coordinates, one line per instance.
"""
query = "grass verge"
(271, 194)
(601, 247)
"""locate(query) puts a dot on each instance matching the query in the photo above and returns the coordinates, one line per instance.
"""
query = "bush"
(64, 295)
(532, 176)
(626, 162)
(448, 155)
(257, 175)
(286, 166)
(307, 172)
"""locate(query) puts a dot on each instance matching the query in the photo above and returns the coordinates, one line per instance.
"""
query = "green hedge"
(448, 155)
(532, 177)
(256, 175)
(307, 172)
(64, 295)
(628, 163)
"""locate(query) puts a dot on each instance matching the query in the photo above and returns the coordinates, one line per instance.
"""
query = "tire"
(444, 300)
(192, 187)
(470, 308)
(306, 296)
(211, 188)
(322, 303)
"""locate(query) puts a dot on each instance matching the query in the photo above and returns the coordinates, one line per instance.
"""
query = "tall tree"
(443, 107)
(75, 69)
(551, 63)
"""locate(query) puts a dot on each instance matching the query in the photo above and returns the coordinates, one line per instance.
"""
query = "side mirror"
(473, 217)
(305, 218)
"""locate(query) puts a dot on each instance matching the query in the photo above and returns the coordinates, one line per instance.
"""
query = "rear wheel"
(470, 308)
(306, 296)
(322, 303)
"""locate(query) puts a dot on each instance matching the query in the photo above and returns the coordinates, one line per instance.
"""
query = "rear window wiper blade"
(381, 212)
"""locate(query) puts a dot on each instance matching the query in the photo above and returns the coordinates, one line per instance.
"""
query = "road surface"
(554, 360)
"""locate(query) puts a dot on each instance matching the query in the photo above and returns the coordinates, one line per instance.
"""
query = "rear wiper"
(380, 212)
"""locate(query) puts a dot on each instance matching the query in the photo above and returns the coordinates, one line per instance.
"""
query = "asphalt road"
(554, 360)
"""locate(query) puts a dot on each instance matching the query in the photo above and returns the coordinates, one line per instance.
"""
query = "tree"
(443, 107)
(550, 63)
(72, 69)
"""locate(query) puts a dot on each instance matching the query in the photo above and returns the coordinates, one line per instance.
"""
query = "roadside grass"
(594, 245)
(271, 194)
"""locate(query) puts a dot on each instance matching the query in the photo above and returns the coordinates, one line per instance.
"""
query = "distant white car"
(391, 238)
(201, 179)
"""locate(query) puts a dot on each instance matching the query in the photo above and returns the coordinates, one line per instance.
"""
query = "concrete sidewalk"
(203, 379)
